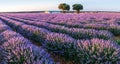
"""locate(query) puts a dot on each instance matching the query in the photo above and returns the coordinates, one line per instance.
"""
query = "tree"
(67, 7)
(77, 7)
(64, 7)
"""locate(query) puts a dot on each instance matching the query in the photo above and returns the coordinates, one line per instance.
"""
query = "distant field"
(41, 38)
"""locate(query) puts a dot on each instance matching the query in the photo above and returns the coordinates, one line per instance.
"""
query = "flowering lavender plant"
(98, 51)
(21, 51)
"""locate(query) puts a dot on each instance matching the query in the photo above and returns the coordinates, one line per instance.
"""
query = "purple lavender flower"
(4, 27)
(8, 34)
(98, 51)
(20, 50)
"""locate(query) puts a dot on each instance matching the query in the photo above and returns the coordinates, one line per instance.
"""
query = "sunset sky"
(38, 5)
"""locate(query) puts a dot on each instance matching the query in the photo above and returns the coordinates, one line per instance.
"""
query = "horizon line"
(55, 11)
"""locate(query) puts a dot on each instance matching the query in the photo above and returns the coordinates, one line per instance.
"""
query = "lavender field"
(58, 38)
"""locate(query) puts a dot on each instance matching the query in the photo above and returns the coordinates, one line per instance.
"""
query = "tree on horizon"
(77, 7)
(64, 7)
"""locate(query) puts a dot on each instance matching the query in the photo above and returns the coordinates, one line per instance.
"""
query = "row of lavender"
(83, 17)
(14, 48)
(77, 18)
(114, 28)
(81, 51)
(32, 16)
(99, 21)
(77, 33)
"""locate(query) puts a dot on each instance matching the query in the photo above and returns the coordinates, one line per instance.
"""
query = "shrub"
(98, 51)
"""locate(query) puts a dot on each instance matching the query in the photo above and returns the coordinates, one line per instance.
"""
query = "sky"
(39, 5)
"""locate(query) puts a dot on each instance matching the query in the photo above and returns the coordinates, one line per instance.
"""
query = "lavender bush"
(98, 51)
(21, 51)
(8, 34)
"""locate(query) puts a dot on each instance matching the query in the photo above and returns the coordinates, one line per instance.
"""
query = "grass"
(58, 58)
(117, 39)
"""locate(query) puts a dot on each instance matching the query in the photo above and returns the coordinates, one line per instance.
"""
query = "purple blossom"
(20, 47)
(99, 50)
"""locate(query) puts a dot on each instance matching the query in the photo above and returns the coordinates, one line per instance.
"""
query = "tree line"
(66, 7)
